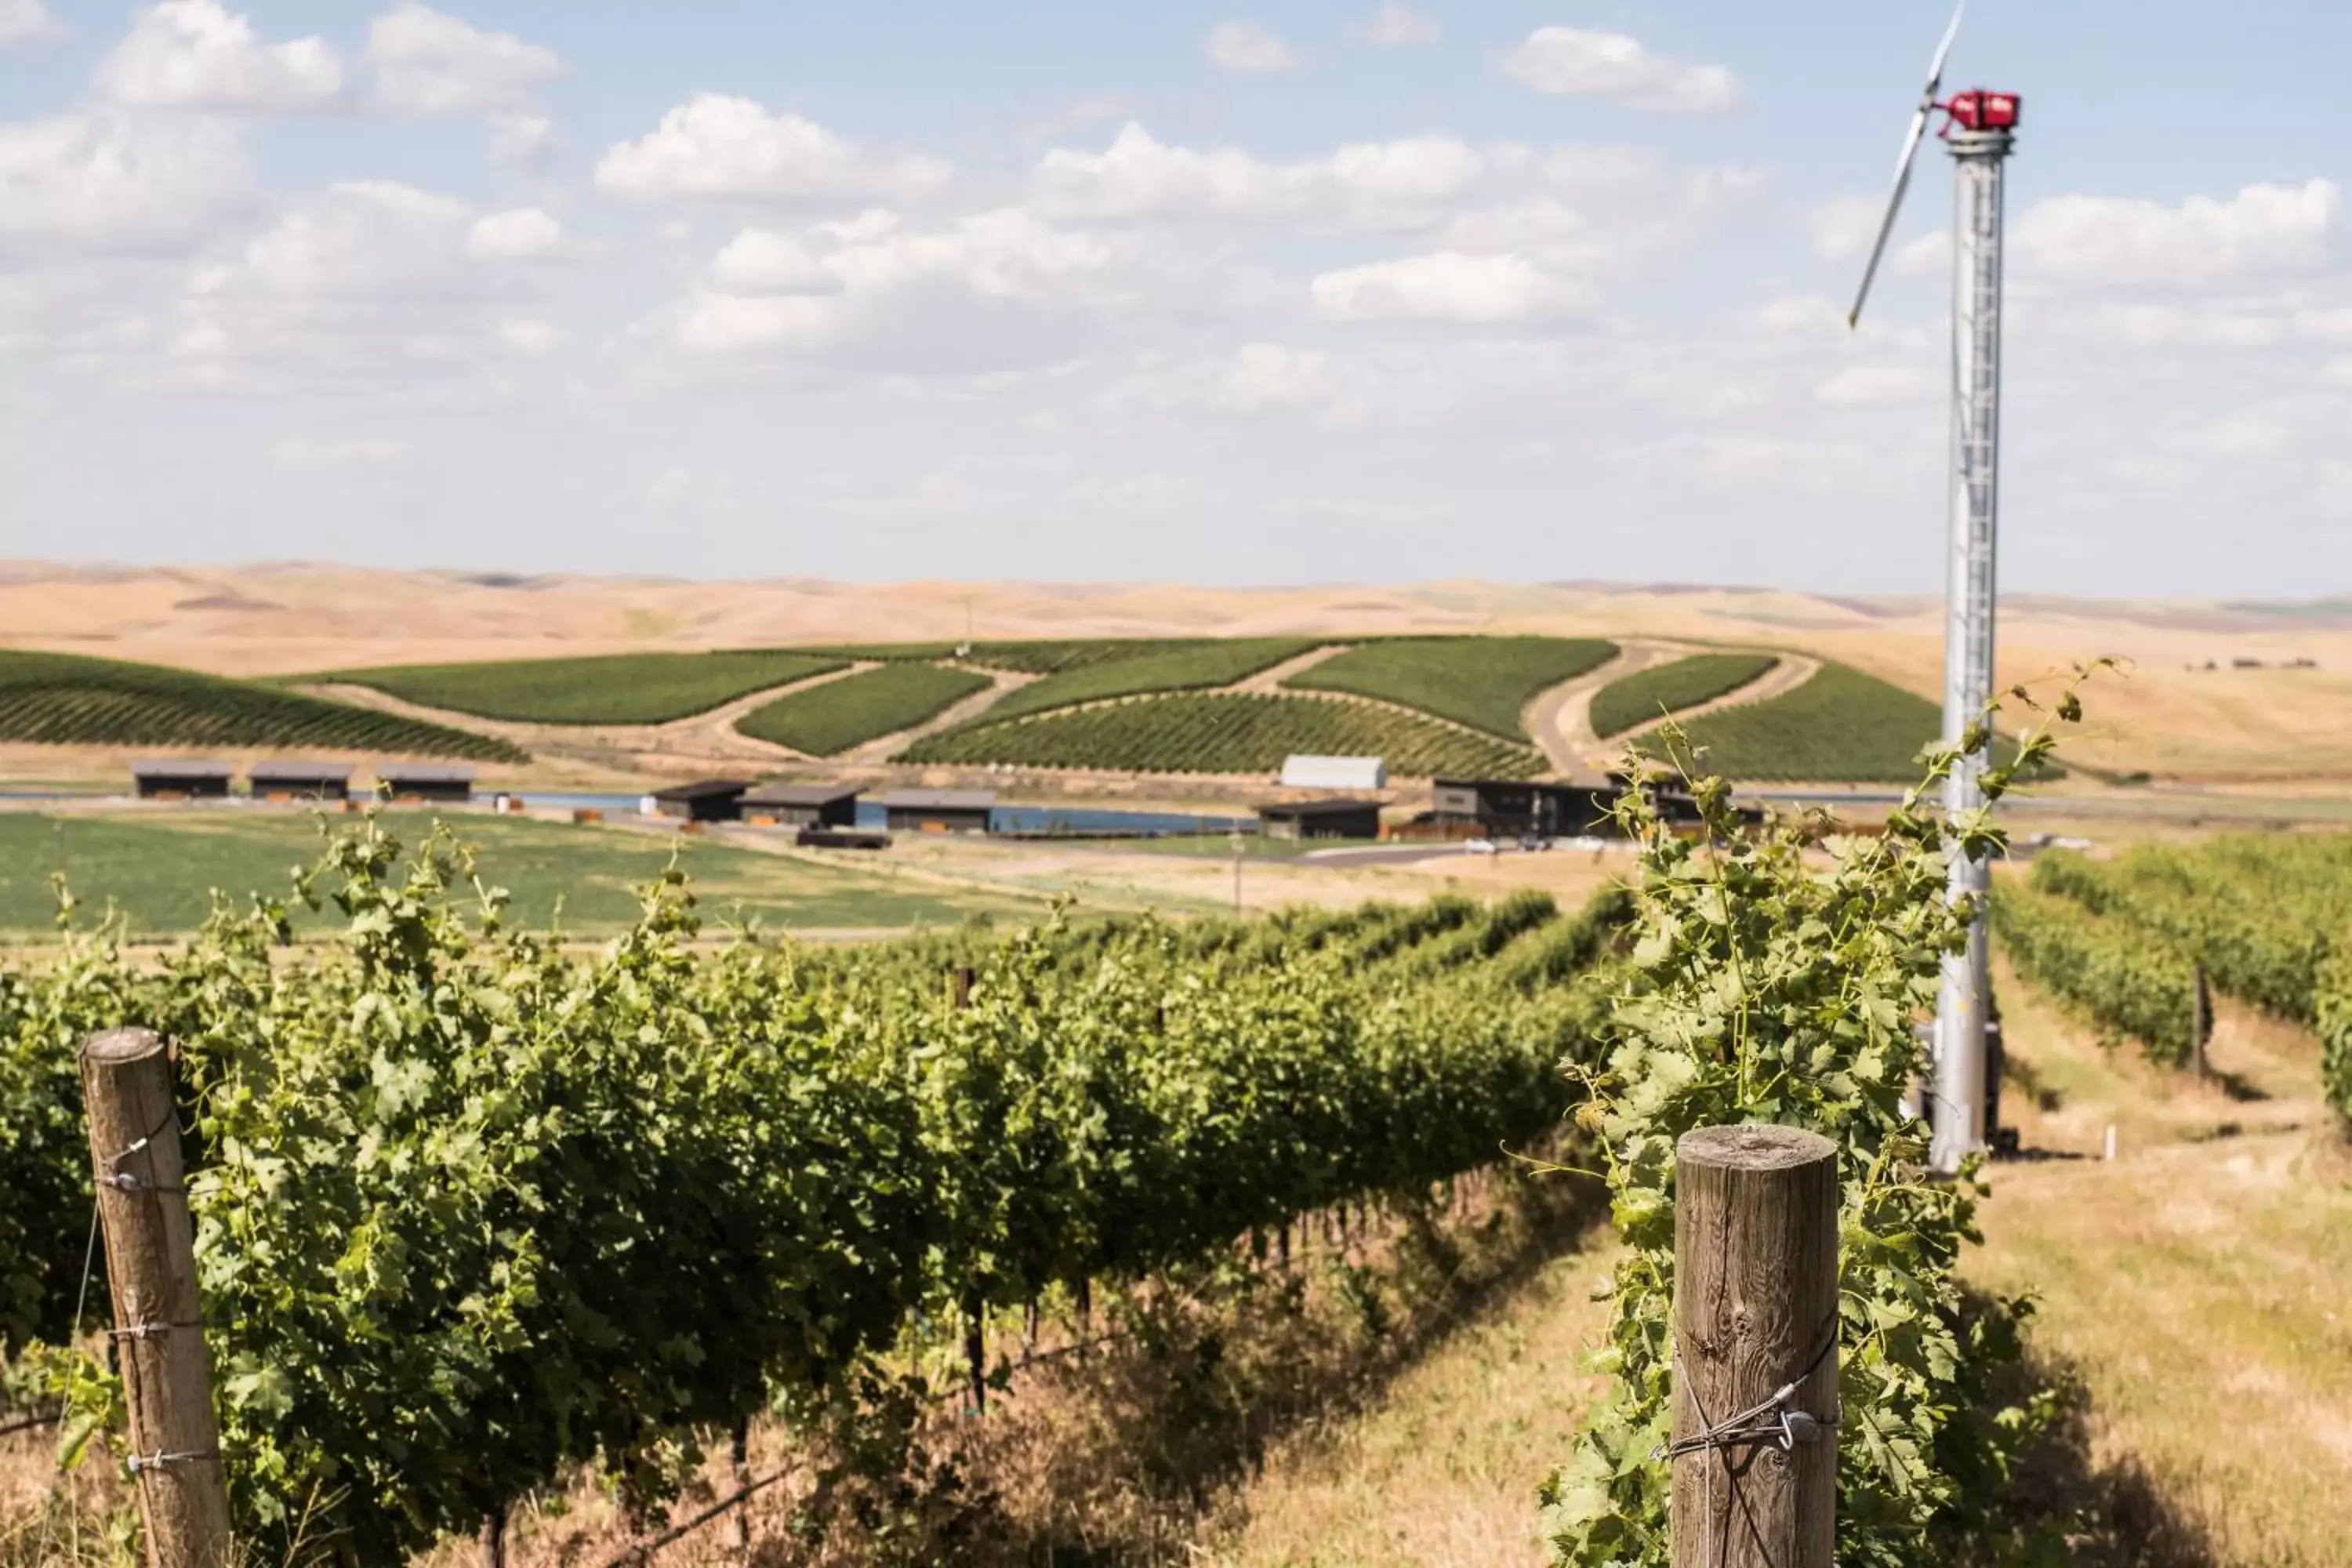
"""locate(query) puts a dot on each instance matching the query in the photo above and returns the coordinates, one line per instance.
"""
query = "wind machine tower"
(1980, 129)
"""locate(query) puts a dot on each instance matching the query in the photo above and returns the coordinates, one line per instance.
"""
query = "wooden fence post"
(151, 1268)
(1756, 1313)
(2200, 1024)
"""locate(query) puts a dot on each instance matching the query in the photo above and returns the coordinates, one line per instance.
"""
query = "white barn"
(1300, 772)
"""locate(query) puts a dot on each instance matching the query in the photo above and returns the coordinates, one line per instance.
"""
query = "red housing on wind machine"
(1978, 109)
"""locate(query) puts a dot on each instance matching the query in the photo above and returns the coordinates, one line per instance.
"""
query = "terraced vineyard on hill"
(1649, 694)
(826, 719)
(68, 699)
(1182, 666)
(1228, 733)
(613, 689)
(1483, 683)
(1840, 727)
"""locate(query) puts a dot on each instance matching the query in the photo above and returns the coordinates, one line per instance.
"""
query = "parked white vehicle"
(1480, 846)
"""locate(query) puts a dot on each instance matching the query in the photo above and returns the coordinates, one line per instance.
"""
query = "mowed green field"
(60, 699)
(160, 867)
(1650, 694)
(1228, 733)
(1483, 683)
(613, 689)
(1840, 727)
(826, 719)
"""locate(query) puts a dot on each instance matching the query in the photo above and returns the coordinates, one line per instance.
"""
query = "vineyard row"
(471, 1210)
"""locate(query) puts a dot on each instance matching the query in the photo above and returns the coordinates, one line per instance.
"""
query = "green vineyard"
(1482, 682)
(1228, 733)
(2268, 919)
(824, 721)
(1190, 666)
(1840, 727)
(1651, 694)
(479, 1213)
(616, 689)
(67, 700)
(472, 1213)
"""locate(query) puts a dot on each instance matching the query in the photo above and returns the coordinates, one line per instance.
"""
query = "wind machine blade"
(1911, 141)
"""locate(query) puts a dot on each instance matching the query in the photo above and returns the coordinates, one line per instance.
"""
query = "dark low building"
(704, 800)
(300, 781)
(181, 778)
(803, 804)
(939, 810)
(1514, 807)
(425, 781)
(1321, 819)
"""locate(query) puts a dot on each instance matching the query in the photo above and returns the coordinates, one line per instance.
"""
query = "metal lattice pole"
(1963, 1004)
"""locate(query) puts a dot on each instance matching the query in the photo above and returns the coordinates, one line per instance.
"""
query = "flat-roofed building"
(299, 781)
(1521, 806)
(425, 781)
(803, 804)
(181, 778)
(1300, 771)
(704, 800)
(1321, 819)
(939, 810)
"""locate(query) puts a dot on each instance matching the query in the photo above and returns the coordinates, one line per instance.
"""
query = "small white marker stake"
(2111, 1140)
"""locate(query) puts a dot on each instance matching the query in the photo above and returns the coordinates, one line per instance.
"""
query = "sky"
(1330, 290)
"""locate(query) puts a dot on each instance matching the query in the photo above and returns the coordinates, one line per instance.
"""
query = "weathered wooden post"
(2200, 1024)
(1756, 1319)
(151, 1268)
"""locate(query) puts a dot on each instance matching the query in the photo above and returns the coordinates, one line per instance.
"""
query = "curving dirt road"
(1268, 681)
(882, 748)
(711, 735)
(1561, 718)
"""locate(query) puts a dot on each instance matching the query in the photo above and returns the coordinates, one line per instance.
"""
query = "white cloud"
(765, 261)
(108, 183)
(1447, 285)
(369, 289)
(2265, 231)
(1395, 24)
(1266, 378)
(338, 453)
(1880, 383)
(1584, 209)
(1613, 66)
(1843, 227)
(1929, 256)
(197, 55)
(997, 288)
(529, 335)
(718, 148)
(1248, 47)
(1372, 186)
(22, 21)
(359, 239)
(521, 234)
(523, 139)
(429, 63)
